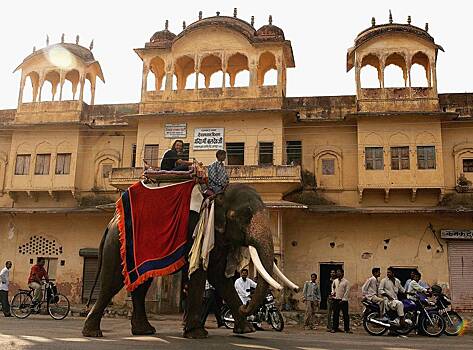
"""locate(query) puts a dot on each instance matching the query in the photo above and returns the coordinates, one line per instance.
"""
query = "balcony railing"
(286, 175)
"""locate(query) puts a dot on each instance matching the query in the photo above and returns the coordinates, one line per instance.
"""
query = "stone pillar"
(92, 90)
(144, 81)
(434, 77)
(41, 82)
(22, 87)
(62, 78)
(82, 83)
(358, 80)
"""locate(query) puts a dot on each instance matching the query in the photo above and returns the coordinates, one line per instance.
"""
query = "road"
(41, 332)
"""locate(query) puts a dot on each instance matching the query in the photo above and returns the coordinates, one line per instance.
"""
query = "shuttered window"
(133, 155)
(294, 152)
(22, 165)
(235, 153)
(106, 170)
(151, 155)
(426, 157)
(266, 153)
(90, 271)
(63, 164)
(400, 158)
(374, 158)
(42, 164)
(468, 165)
(460, 265)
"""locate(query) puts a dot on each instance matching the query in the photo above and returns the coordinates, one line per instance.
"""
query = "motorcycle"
(453, 321)
(420, 314)
(268, 312)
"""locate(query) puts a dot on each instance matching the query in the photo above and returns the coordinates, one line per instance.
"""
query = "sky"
(320, 32)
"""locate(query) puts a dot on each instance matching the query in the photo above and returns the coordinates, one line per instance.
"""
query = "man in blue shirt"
(218, 178)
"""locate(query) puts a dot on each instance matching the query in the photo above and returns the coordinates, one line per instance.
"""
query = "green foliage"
(454, 200)
(307, 197)
(94, 200)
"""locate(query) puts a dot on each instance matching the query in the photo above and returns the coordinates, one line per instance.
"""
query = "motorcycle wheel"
(276, 320)
(407, 329)
(453, 323)
(371, 328)
(434, 328)
(228, 319)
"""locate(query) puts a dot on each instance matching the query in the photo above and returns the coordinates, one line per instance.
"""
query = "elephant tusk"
(261, 270)
(285, 280)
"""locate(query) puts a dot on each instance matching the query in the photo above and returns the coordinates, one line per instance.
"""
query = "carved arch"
(329, 152)
(107, 156)
(460, 152)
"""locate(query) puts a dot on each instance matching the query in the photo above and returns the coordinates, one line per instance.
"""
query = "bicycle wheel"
(21, 305)
(277, 321)
(58, 306)
(453, 322)
(228, 319)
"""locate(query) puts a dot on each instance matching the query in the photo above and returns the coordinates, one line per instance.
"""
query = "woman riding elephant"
(241, 220)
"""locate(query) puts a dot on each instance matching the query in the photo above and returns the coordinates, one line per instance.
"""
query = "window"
(400, 158)
(294, 152)
(468, 165)
(426, 157)
(328, 166)
(266, 153)
(22, 166)
(151, 155)
(235, 153)
(42, 164)
(185, 151)
(133, 155)
(374, 158)
(63, 163)
(106, 170)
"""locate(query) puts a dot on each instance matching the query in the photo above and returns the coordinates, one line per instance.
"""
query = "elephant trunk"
(260, 241)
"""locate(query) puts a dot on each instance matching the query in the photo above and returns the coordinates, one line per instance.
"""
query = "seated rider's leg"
(37, 295)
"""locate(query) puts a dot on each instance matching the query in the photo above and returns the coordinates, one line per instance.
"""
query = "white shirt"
(243, 289)
(341, 288)
(4, 279)
(413, 288)
(389, 288)
(370, 288)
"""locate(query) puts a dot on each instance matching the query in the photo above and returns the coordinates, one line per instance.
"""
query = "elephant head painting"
(240, 220)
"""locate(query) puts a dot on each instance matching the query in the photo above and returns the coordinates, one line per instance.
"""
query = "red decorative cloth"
(153, 225)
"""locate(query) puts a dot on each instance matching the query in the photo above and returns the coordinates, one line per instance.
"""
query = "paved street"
(41, 332)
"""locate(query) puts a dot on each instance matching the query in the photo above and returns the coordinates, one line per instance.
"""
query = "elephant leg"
(111, 284)
(226, 288)
(193, 325)
(139, 322)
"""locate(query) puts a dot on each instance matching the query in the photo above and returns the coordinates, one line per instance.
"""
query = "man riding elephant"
(240, 220)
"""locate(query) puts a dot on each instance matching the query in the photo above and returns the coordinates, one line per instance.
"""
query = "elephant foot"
(143, 328)
(196, 333)
(94, 333)
(243, 327)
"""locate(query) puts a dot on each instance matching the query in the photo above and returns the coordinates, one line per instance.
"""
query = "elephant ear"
(220, 219)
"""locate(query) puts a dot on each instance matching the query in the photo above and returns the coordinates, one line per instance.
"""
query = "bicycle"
(57, 304)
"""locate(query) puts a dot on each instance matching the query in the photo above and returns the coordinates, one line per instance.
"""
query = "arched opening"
(210, 65)
(69, 91)
(420, 70)
(190, 83)
(48, 92)
(238, 71)
(87, 90)
(395, 71)
(183, 67)
(267, 70)
(156, 68)
(30, 90)
(150, 81)
(369, 72)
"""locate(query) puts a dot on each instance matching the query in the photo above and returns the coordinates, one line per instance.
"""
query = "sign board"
(175, 131)
(208, 139)
(456, 234)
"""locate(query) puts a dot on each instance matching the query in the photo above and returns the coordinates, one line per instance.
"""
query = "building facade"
(377, 179)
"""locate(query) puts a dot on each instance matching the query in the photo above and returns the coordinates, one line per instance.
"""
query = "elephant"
(240, 220)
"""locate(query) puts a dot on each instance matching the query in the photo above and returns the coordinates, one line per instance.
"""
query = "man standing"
(370, 290)
(35, 280)
(218, 178)
(311, 299)
(210, 303)
(340, 302)
(4, 283)
(330, 295)
(243, 286)
(389, 287)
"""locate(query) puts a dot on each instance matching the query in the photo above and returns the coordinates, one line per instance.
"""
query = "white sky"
(320, 32)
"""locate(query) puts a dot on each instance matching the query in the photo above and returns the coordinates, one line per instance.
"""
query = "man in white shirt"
(370, 289)
(389, 287)
(421, 283)
(4, 284)
(243, 286)
(415, 287)
(341, 288)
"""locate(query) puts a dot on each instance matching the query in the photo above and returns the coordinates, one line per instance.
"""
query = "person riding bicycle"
(37, 274)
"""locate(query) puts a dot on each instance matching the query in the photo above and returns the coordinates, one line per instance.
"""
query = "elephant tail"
(99, 268)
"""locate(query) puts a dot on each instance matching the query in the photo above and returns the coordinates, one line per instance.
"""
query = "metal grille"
(460, 262)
